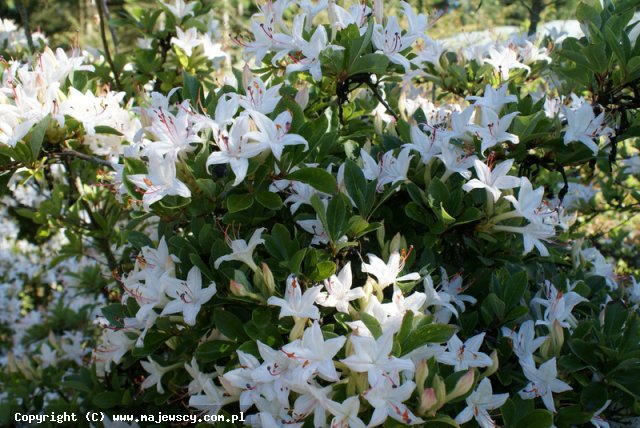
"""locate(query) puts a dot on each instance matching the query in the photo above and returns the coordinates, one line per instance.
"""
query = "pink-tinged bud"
(238, 289)
(427, 401)
(302, 97)
(464, 385)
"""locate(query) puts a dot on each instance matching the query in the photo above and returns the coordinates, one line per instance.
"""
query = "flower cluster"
(334, 226)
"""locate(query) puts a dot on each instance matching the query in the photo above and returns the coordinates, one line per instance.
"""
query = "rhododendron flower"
(188, 296)
(478, 404)
(161, 181)
(295, 303)
(242, 251)
(339, 292)
(543, 383)
(493, 180)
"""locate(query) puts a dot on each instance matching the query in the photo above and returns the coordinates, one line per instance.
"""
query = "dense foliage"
(340, 221)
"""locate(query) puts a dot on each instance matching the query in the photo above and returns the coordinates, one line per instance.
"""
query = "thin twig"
(375, 91)
(73, 153)
(105, 44)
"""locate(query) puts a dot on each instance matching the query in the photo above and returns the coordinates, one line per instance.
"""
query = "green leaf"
(229, 324)
(190, 87)
(106, 399)
(214, 350)
(430, 333)
(269, 200)
(37, 134)
(370, 64)
(356, 185)
(537, 419)
(615, 315)
(237, 203)
(593, 396)
(107, 130)
(336, 217)
(317, 178)
(323, 270)
(372, 324)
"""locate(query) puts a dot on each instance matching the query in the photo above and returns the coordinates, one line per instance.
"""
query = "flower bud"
(378, 10)
(298, 328)
(557, 337)
(238, 289)
(269, 281)
(464, 385)
(302, 97)
(247, 76)
(441, 391)
(494, 365)
(422, 373)
(427, 401)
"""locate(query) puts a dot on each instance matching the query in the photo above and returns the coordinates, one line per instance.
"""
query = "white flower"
(504, 60)
(584, 126)
(274, 133)
(156, 371)
(295, 303)
(189, 296)
(465, 355)
(528, 203)
(478, 404)
(181, 8)
(314, 227)
(339, 292)
(533, 234)
(311, 51)
(373, 357)
(259, 98)
(524, 342)
(387, 273)
(558, 306)
(242, 251)
(427, 145)
(494, 129)
(455, 160)
(543, 383)
(389, 41)
(186, 40)
(494, 99)
(314, 354)
(160, 182)
(493, 180)
(236, 150)
(345, 413)
(388, 399)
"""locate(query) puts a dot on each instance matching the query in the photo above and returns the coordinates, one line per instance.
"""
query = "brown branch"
(105, 43)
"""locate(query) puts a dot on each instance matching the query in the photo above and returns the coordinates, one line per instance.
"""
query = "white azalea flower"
(387, 273)
(478, 404)
(493, 180)
(339, 292)
(161, 181)
(189, 296)
(242, 251)
(543, 383)
(464, 355)
(295, 303)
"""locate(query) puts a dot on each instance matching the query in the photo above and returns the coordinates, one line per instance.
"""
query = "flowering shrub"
(363, 226)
